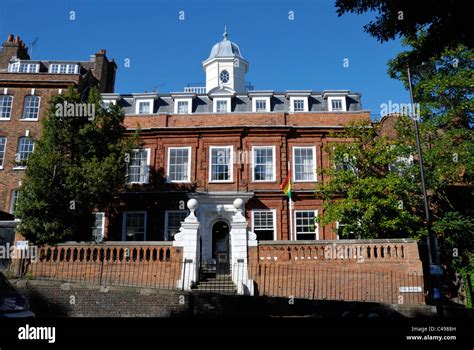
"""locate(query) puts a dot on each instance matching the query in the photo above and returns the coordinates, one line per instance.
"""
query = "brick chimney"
(104, 71)
(13, 47)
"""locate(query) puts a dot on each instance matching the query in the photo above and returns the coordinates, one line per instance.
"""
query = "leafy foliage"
(77, 167)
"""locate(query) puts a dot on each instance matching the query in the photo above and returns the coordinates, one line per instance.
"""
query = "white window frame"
(189, 101)
(147, 164)
(343, 103)
(293, 163)
(140, 101)
(24, 107)
(305, 103)
(316, 228)
(16, 67)
(227, 99)
(167, 212)
(102, 228)
(124, 223)
(231, 170)
(108, 103)
(62, 65)
(17, 152)
(188, 170)
(11, 108)
(254, 104)
(2, 158)
(273, 179)
(273, 211)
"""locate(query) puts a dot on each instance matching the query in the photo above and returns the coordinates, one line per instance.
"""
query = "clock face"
(224, 76)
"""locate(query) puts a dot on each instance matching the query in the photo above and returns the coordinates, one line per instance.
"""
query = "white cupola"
(225, 68)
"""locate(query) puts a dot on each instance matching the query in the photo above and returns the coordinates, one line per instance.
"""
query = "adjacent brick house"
(26, 86)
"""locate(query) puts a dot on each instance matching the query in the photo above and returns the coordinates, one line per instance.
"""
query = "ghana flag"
(286, 185)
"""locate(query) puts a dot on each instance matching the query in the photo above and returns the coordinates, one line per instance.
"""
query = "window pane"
(263, 164)
(298, 105)
(25, 148)
(5, 106)
(144, 107)
(135, 226)
(178, 164)
(182, 107)
(261, 105)
(220, 164)
(97, 229)
(173, 220)
(138, 166)
(3, 142)
(14, 200)
(337, 105)
(221, 106)
(31, 107)
(304, 164)
(305, 225)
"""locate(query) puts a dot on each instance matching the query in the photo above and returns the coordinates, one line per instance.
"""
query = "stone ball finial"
(238, 203)
(192, 204)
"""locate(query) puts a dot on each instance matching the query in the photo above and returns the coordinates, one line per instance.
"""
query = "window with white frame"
(306, 227)
(261, 104)
(3, 145)
(14, 200)
(138, 166)
(31, 107)
(23, 67)
(263, 163)
(222, 105)
(298, 104)
(6, 102)
(98, 228)
(64, 68)
(134, 226)
(25, 147)
(182, 106)
(337, 104)
(221, 164)
(107, 103)
(144, 107)
(304, 164)
(179, 164)
(263, 224)
(173, 219)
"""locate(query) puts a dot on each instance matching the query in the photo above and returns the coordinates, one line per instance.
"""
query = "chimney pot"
(10, 38)
(17, 39)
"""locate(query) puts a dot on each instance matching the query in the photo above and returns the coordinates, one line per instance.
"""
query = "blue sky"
(165, 53)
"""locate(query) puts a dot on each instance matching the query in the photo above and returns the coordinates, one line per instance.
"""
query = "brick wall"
(49, 299)
(372, 270)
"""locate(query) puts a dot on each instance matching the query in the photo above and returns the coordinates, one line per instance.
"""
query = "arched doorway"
(220, 246)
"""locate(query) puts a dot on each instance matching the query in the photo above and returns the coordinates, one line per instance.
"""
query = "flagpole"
(290, 209)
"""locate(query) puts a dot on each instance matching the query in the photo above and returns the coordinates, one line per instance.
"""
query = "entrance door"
(220, 247)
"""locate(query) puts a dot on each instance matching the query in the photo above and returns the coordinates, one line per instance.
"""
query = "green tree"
(78, 165)
(446, 23)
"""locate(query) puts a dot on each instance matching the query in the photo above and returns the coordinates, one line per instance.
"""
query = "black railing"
(307, 281)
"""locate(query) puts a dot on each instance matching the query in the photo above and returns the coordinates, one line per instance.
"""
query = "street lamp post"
(433, 252)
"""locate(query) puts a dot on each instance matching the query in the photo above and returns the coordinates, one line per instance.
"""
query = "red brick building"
(221, 142)
(26, 86)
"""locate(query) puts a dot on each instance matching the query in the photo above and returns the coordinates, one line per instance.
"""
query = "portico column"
(188, 239)
(238, 240)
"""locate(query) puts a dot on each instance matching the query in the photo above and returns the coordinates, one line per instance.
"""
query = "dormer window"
(222, 105)
(261, 104)
(23, 67)
(336, 100)
(299, 104)
(182, 106)
(144, 106)
(64, 68)
(337, 103)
